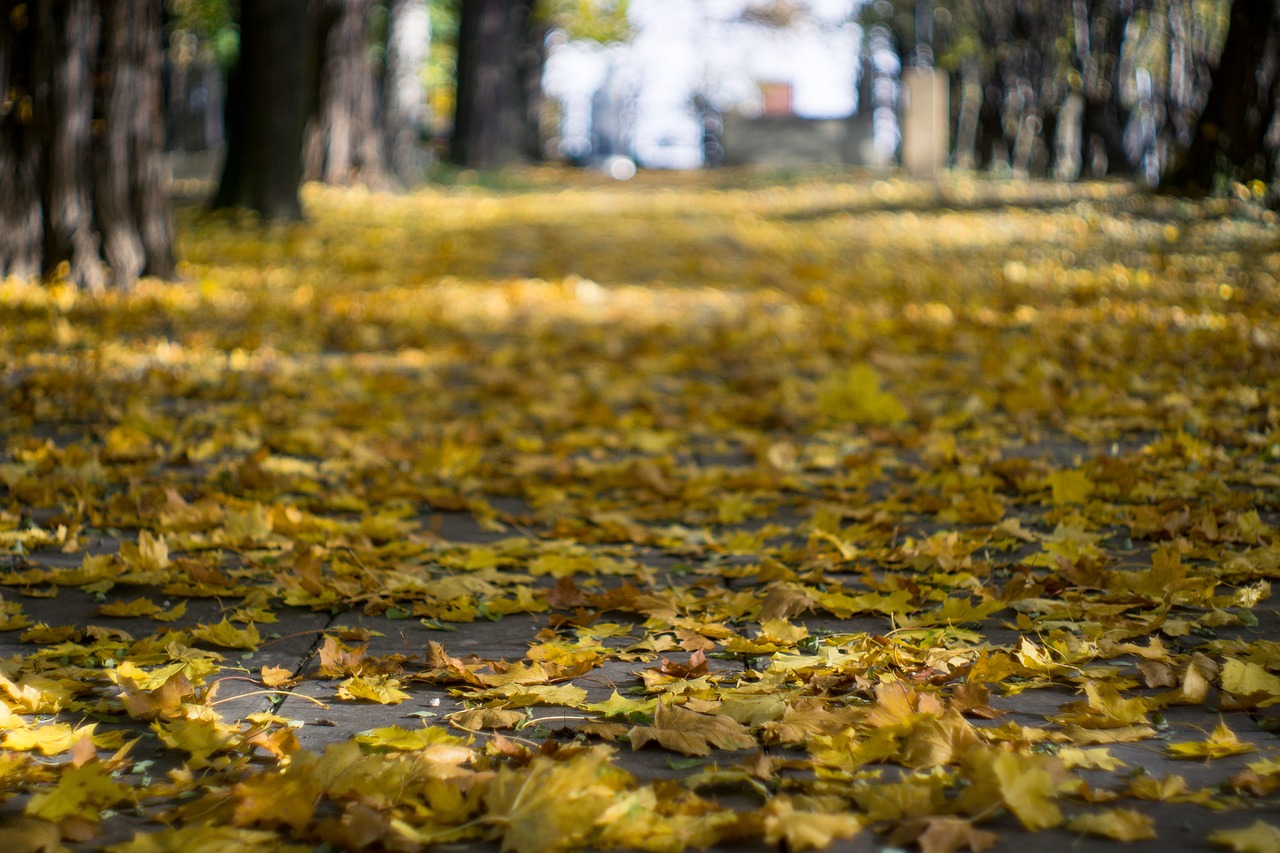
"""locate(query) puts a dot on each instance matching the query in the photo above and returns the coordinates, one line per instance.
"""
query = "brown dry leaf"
(277, 676)
(31, 835)
(477, 719)
(338, 660)
(689, 733)
(943, 834)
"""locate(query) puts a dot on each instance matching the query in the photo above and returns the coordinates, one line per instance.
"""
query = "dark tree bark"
(343, 142)
(67, 36)
(267, 105)
(499, 63)
(133, 191)
(1231, 134)
(21, 209)
(408, 40)
(1098, 30)
(84, 193)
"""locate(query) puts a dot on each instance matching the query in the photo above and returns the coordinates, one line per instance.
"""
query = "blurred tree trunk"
(500, 58)
(1231, 136)
(967, 115)
(21, 208)
(133, 180)
(84, 193)
(408, 40)
(343, 142)
(1098, 38)
(268, 96)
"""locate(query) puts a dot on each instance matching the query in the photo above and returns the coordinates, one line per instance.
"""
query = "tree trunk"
(67, 36)
(1098, 36)
(408, 40)
(967, 125)
(81, 140)
(1231, 134)
(343, 143)
(495, 68)
(21, 211)
(267, 101)
(133, 192)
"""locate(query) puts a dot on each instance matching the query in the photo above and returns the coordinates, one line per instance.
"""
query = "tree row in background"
(1184, 92)
(1179, 92)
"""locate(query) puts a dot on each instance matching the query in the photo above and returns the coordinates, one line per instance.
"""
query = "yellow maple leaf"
(228, 636)
(553, 805)
(783, 631)
(1100, 758)
(34, 694)
(246, 525)
(752, 710)
(1249, 680)
(276, 676)
(136, 608)
(208, 838)
(382, 689)
(620, 706)
(1070, 487)
(1105, 708)
(127, 444)
(1028, 789)
(639, 820)
(144, 679)
(855, 395)
(1220, 743)
(524, 695)
(1025, 783)
(49, 739)
(935, 741)
(1118, 824)
(198, 737)
(173, 614)
(82, 792)
(51, 634)
(1257, 837)
(279, 799)
(1166, 789)
(803, 829)
(908, 799)
(400, 739)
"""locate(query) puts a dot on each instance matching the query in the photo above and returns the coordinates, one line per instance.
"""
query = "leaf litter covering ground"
(805, 512)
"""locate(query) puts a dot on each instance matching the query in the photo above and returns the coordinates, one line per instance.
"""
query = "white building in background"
(648, 99)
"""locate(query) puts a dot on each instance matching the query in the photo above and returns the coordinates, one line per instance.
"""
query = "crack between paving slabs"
(277, 700)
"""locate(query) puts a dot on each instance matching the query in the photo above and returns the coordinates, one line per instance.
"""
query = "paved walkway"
(824, 524)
